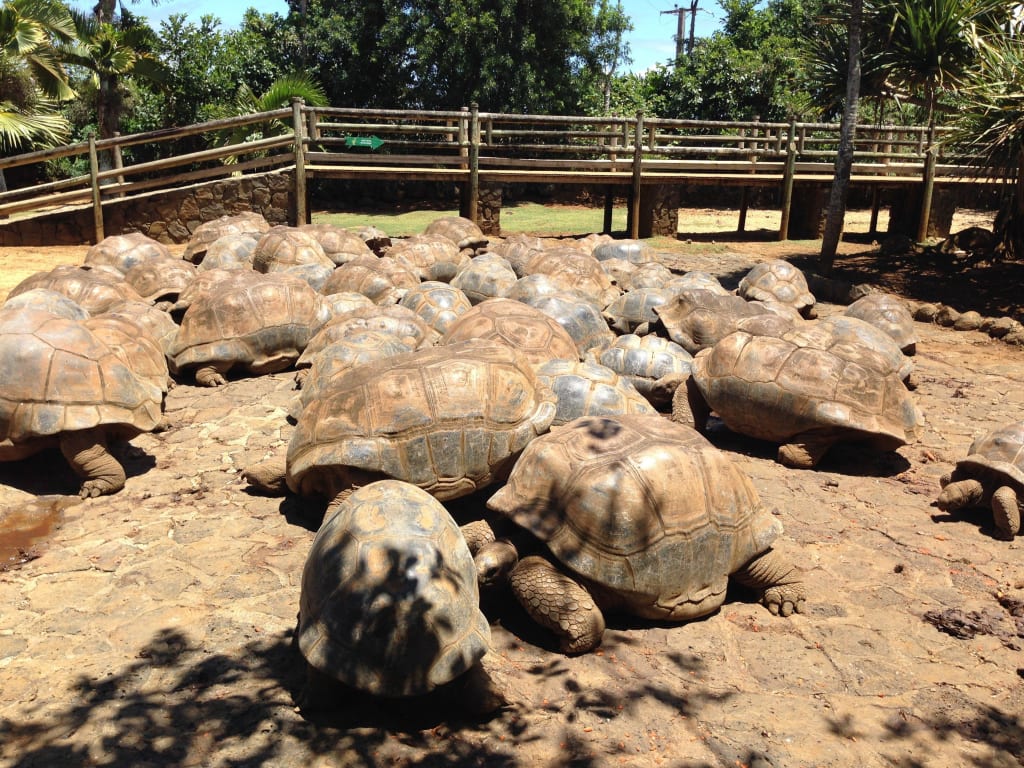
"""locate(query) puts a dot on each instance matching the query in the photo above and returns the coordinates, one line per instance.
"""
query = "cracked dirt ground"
(153, 627)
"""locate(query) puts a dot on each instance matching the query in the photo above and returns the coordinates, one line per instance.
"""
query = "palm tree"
(278, 95)
(110, 52)
(32, 79)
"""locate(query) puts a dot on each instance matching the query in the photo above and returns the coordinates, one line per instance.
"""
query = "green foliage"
(32, 79)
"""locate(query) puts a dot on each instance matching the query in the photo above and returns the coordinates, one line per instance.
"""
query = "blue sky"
(651, 41)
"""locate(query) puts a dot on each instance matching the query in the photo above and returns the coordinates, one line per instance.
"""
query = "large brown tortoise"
(450, 419)
(991, 474)
(644, 517)
(61, 385)
(390, 603)
(805, 398)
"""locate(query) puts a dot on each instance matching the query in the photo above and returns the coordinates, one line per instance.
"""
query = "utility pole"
(679, 30)
(681, 39)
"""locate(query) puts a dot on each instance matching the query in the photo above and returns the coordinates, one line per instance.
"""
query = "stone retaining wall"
(167, 216)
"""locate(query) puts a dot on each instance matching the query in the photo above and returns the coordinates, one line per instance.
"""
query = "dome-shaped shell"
(635, 311)
(460, 230)
(539, 337)
(651, 274)
(390, 603)
(642, 360)
(359, 347)
(581, 319)
(204, 282)
(696, 279)
(240, 223)
(57, 376)
(430, 256)
(230, 252)
(94, 289)
(47, 300)
(777, 280)
(380, 278)
(620, 272)
(399, 321)
(855, 340)
(132, 342)
(261, 323)
(122, 252)
(282, 247)
(448, 419)
(161, 278)
(518, 249)
(581, 272)
(697, 318)
(890, 314)
(339, 244)
(531, 288)
(589, 389)
(774, 389)
(1000, 452)
(437, 304)
(633, 251)
(155, 323)
(644, 509)
(487, 276)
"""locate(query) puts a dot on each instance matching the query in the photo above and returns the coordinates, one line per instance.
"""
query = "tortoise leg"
(805, 451)
(268, 476)
(1006, 512)
(689, 406)
(958, 494)
(86, 452)
(558, 603)
(778, 578)
(212, 375)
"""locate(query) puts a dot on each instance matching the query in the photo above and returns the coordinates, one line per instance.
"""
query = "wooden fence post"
(638, 154)
(299, 148)
(787, 182)
(97, 202)
(930, 159)
(474, 162)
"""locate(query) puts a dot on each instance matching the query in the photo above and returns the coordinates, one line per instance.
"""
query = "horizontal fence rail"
(470, 147)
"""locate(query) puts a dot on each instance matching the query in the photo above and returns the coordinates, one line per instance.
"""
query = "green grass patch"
(533, 218)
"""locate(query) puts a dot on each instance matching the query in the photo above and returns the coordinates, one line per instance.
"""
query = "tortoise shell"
(642, 360)
(339, 244)
(890, 314)
(47, 300)
(431, 257)
(161, 278)
(283, 247)
(634, 311)
(57, 376)
(94, 289)
(437, 304)
(260, 323)
(246, 223)
(460, 230)
(449, 419)
(538, 336)
(697, 318)
(648, 513)
(580, 271)
(581, 319)
(774, 389)
(380, 278)
(229, 252)
(633, 251)
(853, 339)
(389, 601)
(777, 280)
(122, 252)
(1000, 454)
(487, 276)
(589, 389)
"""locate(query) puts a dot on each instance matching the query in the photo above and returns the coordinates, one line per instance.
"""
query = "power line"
(680, 14)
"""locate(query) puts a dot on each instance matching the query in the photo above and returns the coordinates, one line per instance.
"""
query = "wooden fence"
(471, 148)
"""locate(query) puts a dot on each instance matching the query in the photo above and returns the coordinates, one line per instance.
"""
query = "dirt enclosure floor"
(153, 627)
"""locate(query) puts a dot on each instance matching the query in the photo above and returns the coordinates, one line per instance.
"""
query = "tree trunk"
(844, 158)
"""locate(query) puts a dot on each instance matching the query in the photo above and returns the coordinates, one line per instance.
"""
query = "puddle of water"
(26, 525)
